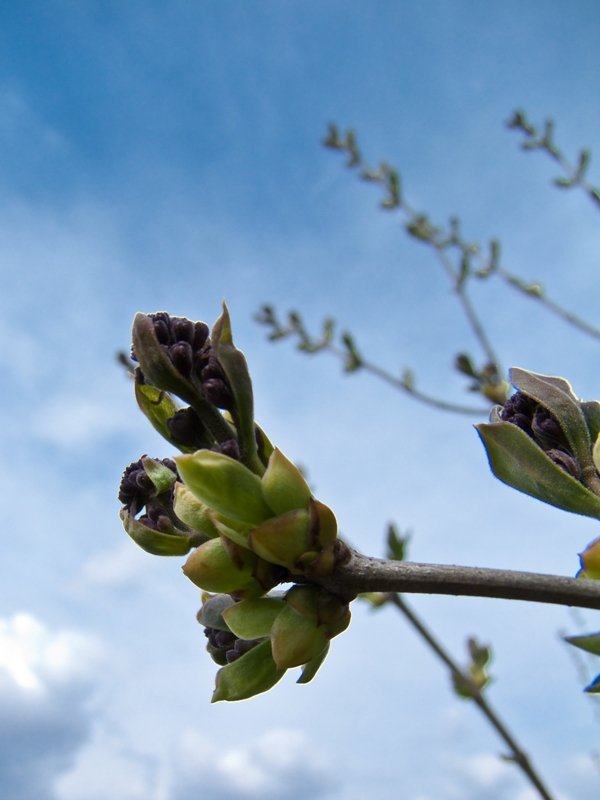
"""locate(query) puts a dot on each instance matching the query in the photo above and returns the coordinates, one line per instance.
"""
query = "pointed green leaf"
(225, 485)
(235, 367)
(594, 687)
(517, 460)
(211, 568)
(255, 672)
(158, 407)
(296, 640)
(253, 619)
(557, 395)
(161, 476)
(310, 670)
(589, 642)
(282, 540)
(155, 542)
(191, 511)
(231, 528)
(284, 486)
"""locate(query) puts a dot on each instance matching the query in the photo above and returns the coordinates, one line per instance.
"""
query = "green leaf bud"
(282, 540)
(323, 524)
(310, 669)
(284, 486)
(211, 568)
(159, 407)
(296, 639)
(302, 598)
(153, 541)
(518, 461)
(231, 528)
(330, 609)
(225, 485)
(233, 363)
(191, 511)
(590, 642)
(211, 613)
(335, 553)
(253, 619)
(590, 561)
(161, 476)
(255, 672)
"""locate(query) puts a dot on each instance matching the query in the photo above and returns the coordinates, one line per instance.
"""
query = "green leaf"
(284, 486)
(283, 539)
(225, 485)
(154, 542)
(161, 476)
(255, 672)
(211, 613)
(296, 640)
(191, 511)
(557, 396)
(310, 670)
(589, 642)
(253, 619)
(158, 407)
(235, 367)
(516, 460)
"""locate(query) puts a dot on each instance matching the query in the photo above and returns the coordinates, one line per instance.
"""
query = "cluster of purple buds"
(225, 647)
(543, 427)
(136, 490)
(188, 347)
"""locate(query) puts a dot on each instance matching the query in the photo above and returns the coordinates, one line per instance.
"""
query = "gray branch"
(365, 574)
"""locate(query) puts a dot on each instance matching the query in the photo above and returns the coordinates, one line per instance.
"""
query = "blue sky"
(168, 155)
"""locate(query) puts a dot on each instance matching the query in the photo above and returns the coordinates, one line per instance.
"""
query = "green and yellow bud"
(225, 485)
(253, 619)
(284, 486)
(590, 561)
(161, 476)
(191, 511)
(212, 568)
(283, 539)
(157, 543)
(255, 672)
(323, 524)
(296, 639)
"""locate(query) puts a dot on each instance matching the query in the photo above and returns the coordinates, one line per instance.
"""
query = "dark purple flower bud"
(230, 448)
(187, 429)
(149, 523)
(183, 329)
(547, 431)
(135, 489)
(566, 461)
(200, 335)
(212, 369)
(217, 392)
(181, 357)
(225, 639)
(231, 656)
(162, 326)
(519, 409)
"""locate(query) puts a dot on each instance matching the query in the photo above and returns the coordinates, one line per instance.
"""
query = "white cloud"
(45, 683)
(115, 567)
(281, 765)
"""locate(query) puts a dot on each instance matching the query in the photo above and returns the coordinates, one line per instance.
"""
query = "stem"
(365, 574)
(516, 755)
(552, 306)
(465, 301)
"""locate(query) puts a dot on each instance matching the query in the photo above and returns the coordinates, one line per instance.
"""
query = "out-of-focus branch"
(516, 754)
(354, 361)
(574, 175)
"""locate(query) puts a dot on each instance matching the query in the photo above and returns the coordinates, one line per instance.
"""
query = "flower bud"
(191, 511)
(225, 485)
(253, 619)
(590, 561)
(284, 486)
(211, 568)
(283, 539)
(296, 639)
(155, 541)
(251, 674)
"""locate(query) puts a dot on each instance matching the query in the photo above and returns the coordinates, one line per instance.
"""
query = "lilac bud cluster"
(225, 647)
(188, 347)
(136, 490)
(543, 427)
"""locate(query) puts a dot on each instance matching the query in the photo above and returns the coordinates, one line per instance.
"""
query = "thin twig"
(365, 574)
(517, 755)
(400, 383)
